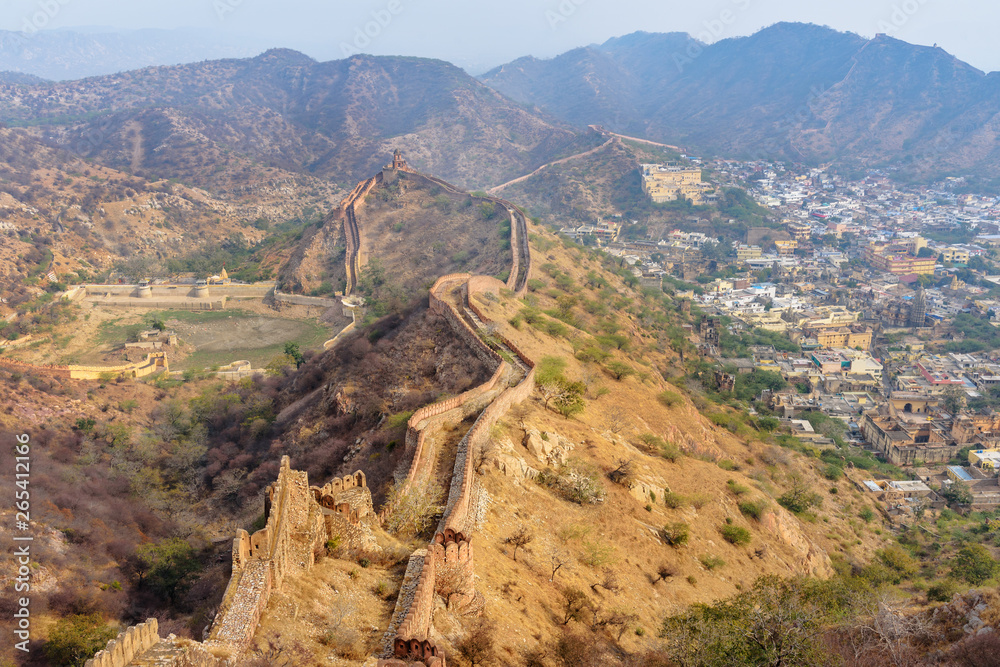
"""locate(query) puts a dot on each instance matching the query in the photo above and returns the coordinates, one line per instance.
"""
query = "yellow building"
(786, 247)
(988, 459)
(745, 252)
(899, 257)
(843, 337)
(959, 255)
(665, 183)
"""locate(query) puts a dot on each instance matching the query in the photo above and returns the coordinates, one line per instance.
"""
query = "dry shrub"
(478, 645)
(345, 642)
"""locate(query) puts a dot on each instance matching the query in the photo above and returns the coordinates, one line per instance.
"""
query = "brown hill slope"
(76, 218)
(283, 109)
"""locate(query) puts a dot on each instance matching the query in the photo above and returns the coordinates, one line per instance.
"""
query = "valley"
(587, 361)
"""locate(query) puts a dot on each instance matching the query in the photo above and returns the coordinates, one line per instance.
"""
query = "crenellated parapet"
(128, 645)
(455, 578)
(153, 363)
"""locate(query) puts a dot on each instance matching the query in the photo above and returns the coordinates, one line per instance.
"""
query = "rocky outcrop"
(785, 528)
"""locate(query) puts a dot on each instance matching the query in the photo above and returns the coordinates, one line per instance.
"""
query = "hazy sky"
(478, 35)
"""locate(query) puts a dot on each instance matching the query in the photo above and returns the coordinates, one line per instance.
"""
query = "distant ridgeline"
(301, 518)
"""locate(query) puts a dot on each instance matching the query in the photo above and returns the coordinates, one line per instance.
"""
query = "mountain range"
(791, 91)
(801, 92)
(338, 119)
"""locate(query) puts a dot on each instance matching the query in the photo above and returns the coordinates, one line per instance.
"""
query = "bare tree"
(621, 621)
(882, 628)
(484, 454)
(624, 473)
(609, 583)
(617, 420)
(478, 644)
(558, 557)
(521, 538)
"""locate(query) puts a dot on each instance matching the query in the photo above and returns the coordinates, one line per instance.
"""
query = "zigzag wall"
(446, 567)
(450, 557)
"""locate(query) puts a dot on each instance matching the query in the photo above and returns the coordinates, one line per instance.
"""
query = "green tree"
(292, 350)
(974, 564)
(619, 370)
(569, 401)
(75, 639)
(954, 400)
(958, 492)
(165, 567)
(771, 624)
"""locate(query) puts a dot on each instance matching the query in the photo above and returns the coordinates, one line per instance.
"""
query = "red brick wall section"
(416, 624)
(417, 436)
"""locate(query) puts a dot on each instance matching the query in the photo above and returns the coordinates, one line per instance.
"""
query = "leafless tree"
(558, 558)
(621, 621)
(883, 628)
(617, 420)
(624, 473)
(609, 583)
(521, 538)
(484, 454)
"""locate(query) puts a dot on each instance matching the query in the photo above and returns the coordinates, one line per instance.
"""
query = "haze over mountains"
(801, 92)
(792, 91)
(60, 55)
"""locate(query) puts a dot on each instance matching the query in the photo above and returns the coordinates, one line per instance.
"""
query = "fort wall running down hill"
(301, 518)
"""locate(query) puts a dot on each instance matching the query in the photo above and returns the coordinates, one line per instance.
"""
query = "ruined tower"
(398, 163)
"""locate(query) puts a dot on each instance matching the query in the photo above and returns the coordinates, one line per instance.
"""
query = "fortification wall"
(515, 246)
(416, 434)
(153, 363)
(179, 303)
(129, 644)
(458, 323)
(180, 291)
(448, 567)
(349, 208)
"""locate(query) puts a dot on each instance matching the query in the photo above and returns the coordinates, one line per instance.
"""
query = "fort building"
(665, 183)
(905, 437)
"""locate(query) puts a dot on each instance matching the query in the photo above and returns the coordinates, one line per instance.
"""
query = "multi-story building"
(958, 255)
(842, 337)
(747, 252)
(665, 183)
(897, 259)
(786, 247)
